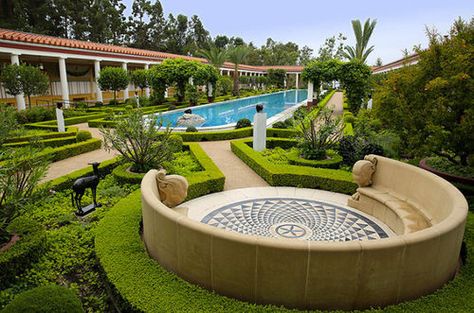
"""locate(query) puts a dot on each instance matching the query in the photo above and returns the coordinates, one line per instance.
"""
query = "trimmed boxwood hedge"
(293, 175)
(27, 250)
(67, 151)
(45, 299)
(53, 142)
(52, 125)
(334, 161)
(70, 131)
(209, 180)
(145, 286)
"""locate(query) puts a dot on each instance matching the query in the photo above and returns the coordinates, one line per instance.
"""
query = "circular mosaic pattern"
(295, 219)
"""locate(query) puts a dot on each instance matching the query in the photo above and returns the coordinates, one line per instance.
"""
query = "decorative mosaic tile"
(295, 219)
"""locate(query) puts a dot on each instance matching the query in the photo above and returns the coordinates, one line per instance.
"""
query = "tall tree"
(198, 35)
(177, 34)
(361, 50)
(214, 56)
(221, 41)
(237, 55)
(333, 48)
(306, 54)
(139, 32)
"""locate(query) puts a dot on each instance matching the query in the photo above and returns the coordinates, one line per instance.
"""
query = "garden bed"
(292, 175)
(447, 170)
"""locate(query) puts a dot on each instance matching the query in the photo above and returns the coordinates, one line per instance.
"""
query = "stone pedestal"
(60, 120)
(259, 131)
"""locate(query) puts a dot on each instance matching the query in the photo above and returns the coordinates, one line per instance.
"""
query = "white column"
(209, 89)
(147, 89)
(98, 92)
(310, 93)
(20, 99)
(297, 80)
(64, 86)
(125, 91)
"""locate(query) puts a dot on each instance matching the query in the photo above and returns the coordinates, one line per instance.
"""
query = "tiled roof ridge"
(21, 36)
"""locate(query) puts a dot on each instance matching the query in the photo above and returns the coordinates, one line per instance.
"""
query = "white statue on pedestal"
(60, 117)
(259, 129)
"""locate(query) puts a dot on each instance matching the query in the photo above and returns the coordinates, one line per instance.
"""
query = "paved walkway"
(336, 103)
(64, 167)
(237, 173)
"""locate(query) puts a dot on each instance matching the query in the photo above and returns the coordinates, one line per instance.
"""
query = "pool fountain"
(396, 239)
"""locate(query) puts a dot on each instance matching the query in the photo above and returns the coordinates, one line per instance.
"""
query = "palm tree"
(361, 52)
(237, 56)
(214, 56)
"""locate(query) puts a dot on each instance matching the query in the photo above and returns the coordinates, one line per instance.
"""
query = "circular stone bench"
(314, 274)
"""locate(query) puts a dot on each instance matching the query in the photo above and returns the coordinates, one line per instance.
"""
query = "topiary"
(45, 299)
(83, 135)
(243, 122)
(191, 129)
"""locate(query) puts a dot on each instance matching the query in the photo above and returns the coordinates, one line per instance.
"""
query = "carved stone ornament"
(173, 189)
(363, 171)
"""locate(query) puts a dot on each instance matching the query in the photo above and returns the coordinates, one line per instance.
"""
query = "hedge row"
(333, 162)
(209, 180)
(27, 250)
(70, 131)
(53, 142)
(293, 175)
(52, 125)
(67, 151)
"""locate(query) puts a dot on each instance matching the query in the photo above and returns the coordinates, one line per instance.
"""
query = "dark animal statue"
(80, 186)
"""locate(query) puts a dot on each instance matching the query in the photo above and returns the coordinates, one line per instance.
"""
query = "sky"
(401, 24)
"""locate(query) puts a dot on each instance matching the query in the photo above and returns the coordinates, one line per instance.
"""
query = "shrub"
(113, 102)
(19, 175)
(46, 299)
(99, 104)
(27, 250)
(171, 107)
(175, 143)
(83, 135)
(288, 123)
(192, 94)
(242, 123)
(349, 117)
(80, 105)
(7, 122)
(114, 79)
(191, 129)
(34, 115)
(224, 85)
(353, 148)
(319, 134)
(139, 142)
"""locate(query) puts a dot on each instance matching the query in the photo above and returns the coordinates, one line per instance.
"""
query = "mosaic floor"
(296, 219)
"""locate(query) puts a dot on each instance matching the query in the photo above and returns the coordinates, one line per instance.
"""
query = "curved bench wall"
(301, 274)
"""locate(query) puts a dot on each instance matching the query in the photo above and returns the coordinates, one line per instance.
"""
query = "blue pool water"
(228, 112)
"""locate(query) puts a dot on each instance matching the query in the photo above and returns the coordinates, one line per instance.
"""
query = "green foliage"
(27, 250)
(214, 55)
(288, 123)
(431, 104)
(175, 143)
(191, 129)
(292, 175)
(139, 142)
(46, 299)
(140, 78)
(224, 85)
(354, 77)
(83, 135)
(242, 123)
(19, 176)
(237, 56)
(67, 151)
(34, 115)
(26, 79)
(183, 164)
(444, 165)
(7, 123)
(333, 160)
(114, 79)
(319, 134)
(192, 94)
(360, 52)
(277, 77)
(320, 72)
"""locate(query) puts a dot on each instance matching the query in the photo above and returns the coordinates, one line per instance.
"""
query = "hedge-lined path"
(336, 103)
(237, 173)
(64, 167)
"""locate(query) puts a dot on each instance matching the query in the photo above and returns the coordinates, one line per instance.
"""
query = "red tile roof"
(17, 36)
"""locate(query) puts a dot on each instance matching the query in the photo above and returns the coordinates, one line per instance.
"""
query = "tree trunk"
(29, 101)
(236, 90)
